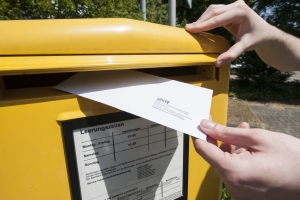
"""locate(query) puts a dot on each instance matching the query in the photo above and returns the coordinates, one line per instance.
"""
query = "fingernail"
(189, 25)
(219, 63)
(207, 124)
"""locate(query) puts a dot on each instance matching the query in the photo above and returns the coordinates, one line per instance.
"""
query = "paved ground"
(278, 118)
(296, 76)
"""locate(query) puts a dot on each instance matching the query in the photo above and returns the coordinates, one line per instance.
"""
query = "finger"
(232, 148)
(215, 9)
(230, 55)
(235, 136)
(211, 153)
(211, 12)
(222, 19)
(244, 125)
(211, 140)
(240, 150)
(227, 147)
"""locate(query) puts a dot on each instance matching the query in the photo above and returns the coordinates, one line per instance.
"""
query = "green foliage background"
(286, 16)
(64, 9)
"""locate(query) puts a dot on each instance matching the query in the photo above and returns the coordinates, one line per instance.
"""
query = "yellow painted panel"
(204, 183)
(101, 36)
(32, 156)
(12, 65)
(31, 149)
(32, 153)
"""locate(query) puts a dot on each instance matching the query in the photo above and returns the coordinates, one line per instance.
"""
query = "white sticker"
(127, 160)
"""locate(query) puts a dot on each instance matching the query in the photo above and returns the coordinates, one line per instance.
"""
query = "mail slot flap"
(101, 36)
(13, 65)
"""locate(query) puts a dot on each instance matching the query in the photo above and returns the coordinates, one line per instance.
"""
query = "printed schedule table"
(136, 138)
(130, 159)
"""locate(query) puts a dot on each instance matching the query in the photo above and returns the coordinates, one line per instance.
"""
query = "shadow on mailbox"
(133, 159)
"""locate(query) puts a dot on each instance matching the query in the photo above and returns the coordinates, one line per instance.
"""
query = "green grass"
(225, 194)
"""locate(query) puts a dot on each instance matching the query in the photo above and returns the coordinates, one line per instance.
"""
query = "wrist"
(271, 38)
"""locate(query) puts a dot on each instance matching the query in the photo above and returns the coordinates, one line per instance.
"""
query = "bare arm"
(281, 52)
(276, 48)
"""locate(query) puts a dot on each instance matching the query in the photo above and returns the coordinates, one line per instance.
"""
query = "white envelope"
(174, 104)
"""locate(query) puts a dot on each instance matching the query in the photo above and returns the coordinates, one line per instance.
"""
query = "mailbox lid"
(16, 65)
(102, 36)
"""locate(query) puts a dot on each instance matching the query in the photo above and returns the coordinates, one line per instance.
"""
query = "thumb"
(211, 153)
(229, 147)
(230, 55)
(235, 136)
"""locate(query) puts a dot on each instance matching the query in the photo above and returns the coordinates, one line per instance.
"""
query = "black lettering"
(163, 100)
(88, 145)
(91, 163)
(91, 154)
(101, 128)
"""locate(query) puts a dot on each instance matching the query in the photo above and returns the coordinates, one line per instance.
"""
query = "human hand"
(267, 168)
(249, 29)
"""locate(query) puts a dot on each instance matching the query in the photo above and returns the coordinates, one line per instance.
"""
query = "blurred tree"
(60, 9)
(7, 11)
(286, 16)
(254, 71)
(282, 14)
(157, 11)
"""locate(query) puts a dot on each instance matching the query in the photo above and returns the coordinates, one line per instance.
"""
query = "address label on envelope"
(174, 104)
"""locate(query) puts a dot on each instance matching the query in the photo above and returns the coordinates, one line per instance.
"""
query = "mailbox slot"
(206, 72)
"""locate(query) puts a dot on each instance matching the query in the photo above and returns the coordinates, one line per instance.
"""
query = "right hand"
(249, 29)
(268, 168)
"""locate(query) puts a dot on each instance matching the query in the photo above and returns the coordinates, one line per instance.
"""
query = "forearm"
(276, 48)
(281, 51)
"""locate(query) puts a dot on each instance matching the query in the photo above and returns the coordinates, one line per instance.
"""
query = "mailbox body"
(33, 161)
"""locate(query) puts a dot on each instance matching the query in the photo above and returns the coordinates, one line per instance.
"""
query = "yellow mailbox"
(39, 151)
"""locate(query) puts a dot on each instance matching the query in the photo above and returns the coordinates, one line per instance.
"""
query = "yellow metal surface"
(31, 148)
(101, 36)
(32, 154)
(12, 65)
(204, 183)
